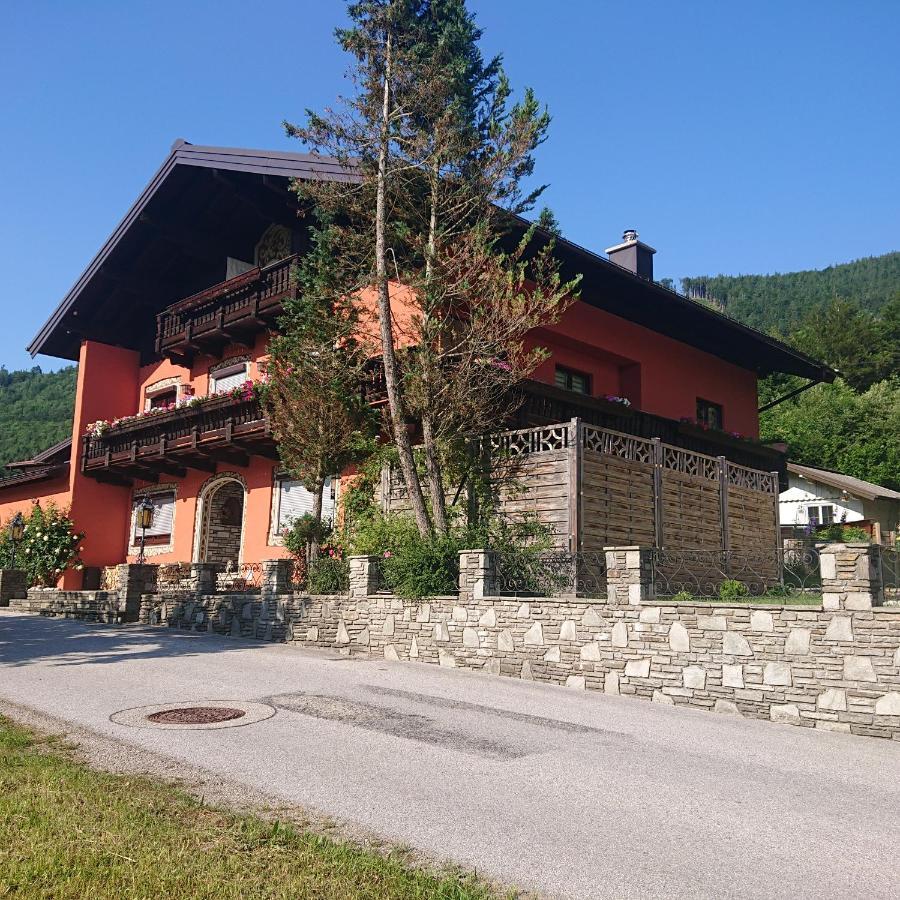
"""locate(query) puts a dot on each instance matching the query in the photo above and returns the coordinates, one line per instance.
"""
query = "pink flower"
(388, 554)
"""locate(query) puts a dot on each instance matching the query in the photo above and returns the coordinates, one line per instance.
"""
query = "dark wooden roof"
(205, 203)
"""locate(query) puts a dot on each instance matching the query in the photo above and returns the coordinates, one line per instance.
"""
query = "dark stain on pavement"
(383, 719)
(558, 725)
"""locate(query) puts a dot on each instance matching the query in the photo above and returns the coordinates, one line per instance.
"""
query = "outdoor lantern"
(16, 533)
(144, 521)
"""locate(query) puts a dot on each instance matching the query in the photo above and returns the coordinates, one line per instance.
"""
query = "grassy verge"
(67, 831)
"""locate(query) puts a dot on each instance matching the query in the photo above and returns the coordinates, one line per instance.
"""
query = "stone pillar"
(629, 574)
(203, 577)
(851, 575)
(365, 576)
(13, 585)
(276, 577)
(133, 580)
(476, 574)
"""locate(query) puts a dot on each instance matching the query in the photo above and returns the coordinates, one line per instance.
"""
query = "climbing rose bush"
(49, 546)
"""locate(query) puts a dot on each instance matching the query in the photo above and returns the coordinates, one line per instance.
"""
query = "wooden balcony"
(232, 312)
(222, 430)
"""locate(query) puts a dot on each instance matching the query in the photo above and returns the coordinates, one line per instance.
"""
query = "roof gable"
(866, 490)
(125, 285)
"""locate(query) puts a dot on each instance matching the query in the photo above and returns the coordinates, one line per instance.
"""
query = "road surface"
(566, 793)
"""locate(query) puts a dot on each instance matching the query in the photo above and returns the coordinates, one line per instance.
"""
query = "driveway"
(563, 792)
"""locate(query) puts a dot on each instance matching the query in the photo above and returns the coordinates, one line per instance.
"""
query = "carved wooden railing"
(224, 421)
(238, 306)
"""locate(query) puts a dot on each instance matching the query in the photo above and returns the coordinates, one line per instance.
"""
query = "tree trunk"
(389, 358)
(312, 545)
(432, 451)
(435, 476)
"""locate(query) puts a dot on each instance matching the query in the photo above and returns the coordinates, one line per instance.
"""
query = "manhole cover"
(195, 715)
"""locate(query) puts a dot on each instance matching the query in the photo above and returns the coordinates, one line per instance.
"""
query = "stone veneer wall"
(834, 670)
(88, 606)
(222, 537)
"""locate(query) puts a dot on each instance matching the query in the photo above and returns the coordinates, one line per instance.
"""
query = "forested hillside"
(35, 411)
(779, 303)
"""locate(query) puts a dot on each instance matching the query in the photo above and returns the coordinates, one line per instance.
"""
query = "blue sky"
(753, 137)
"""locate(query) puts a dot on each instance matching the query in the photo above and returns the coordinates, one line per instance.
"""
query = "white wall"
(801, 492)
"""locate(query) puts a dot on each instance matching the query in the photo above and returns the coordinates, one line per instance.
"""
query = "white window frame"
(329, 503)
(820, 514)
(134, 545)
(162, 387)
(228, 372)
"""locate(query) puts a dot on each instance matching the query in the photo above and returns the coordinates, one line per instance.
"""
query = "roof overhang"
(220, 195)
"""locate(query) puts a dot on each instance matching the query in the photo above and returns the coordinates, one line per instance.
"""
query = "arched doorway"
(221, 522)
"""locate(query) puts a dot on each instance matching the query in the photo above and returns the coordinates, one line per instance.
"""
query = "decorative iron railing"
(735, 575)
(890, 573)
(551, 574)
(240, 578)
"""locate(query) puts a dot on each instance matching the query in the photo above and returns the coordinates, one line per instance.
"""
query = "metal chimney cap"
(629, 235)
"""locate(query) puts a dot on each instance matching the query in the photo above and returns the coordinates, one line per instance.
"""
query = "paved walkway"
(572, 794)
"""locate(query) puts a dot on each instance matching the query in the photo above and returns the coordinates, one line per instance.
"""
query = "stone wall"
(13, 585)
(829, 669)
(222, 533)
(87, 606)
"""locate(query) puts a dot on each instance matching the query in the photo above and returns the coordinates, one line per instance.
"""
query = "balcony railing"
(219, 430)
(545, 404)
(227, 313)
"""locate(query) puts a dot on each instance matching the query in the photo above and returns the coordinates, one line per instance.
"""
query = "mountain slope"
(778, 303)
(35, 411)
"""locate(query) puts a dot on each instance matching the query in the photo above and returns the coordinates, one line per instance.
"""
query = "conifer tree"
(441, 156)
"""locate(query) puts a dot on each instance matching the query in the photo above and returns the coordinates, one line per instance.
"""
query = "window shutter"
(229, 379)
(163, 515)
(294, 500)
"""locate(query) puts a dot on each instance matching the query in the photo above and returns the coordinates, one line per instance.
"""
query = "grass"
(67, 831)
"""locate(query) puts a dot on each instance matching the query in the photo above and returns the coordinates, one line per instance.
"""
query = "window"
(163, 399)
(570, 380)
(160, 532)
(820, 515)
(293, 500)
(709, 414)
(228, 378)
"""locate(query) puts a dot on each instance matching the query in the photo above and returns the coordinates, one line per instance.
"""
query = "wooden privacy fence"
(601, 488)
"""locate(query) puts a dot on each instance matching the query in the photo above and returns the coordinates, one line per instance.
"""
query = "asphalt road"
(568, 793)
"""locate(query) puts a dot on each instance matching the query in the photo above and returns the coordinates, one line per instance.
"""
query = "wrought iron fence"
(236, 579)
(890, 573)
(790, 574)
(522, 573)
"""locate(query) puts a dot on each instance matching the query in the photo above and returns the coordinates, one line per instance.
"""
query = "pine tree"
(437, 144)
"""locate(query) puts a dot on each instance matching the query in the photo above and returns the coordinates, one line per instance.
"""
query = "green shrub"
(842, 534)
(731, 589)
(417, 567)
(50, 545)
(301, 531)
(328, 575)
(684, 597)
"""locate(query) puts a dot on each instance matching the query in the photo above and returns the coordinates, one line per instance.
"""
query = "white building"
(817, 497)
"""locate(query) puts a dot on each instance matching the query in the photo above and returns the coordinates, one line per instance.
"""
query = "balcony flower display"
(248, 390)
(612, 398)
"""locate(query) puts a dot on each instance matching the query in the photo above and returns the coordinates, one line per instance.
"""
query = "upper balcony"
(222, 429)
(231, 312)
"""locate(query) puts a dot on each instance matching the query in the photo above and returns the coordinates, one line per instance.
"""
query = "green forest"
(35, 411)
(780, 303)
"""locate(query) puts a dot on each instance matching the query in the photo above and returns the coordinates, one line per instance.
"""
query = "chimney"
(634, 255)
